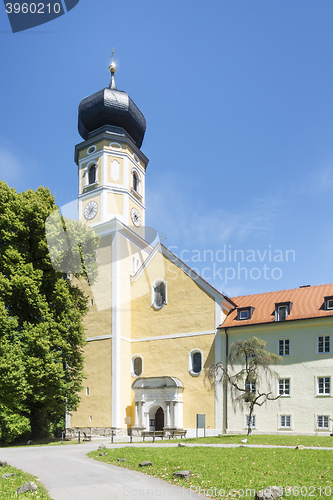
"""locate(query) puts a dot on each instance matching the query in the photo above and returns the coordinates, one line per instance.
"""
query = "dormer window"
(329, 303)
(282, 311)
(244, 313)
(92, 174)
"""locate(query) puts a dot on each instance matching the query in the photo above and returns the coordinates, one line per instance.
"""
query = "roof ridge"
(280, 291)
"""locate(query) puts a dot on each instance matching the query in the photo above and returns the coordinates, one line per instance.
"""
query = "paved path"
(69, 474)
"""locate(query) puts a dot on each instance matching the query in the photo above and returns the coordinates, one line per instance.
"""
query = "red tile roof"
(307, 302)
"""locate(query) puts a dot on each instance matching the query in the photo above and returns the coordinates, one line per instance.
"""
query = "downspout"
(225, 388)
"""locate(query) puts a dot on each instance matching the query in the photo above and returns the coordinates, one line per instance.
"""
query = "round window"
(91, 150)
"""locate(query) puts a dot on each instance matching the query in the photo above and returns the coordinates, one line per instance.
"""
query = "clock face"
(90, 210)
(135, 216)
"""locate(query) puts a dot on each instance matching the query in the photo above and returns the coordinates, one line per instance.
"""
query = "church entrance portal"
(158, 403)
(159, 419)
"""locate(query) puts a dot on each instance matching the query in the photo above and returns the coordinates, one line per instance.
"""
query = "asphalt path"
(69, 474)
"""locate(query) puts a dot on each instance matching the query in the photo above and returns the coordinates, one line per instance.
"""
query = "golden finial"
(112, 66)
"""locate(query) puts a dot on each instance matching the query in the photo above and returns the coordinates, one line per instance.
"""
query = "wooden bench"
(86, 437)
(178, 432)
(153, 434)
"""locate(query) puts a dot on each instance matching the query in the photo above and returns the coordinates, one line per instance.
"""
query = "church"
(154, 326)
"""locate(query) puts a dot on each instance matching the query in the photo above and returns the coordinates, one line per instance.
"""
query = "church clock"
(135, 216)
(90, 210)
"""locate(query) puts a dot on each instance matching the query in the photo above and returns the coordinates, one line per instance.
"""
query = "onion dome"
(110, 108)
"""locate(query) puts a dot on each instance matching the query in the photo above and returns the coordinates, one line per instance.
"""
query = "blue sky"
(237, 95)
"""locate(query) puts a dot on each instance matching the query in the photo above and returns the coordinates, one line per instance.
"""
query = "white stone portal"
(153, 394)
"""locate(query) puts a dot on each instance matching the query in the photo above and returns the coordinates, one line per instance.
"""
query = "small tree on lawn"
(255, 364)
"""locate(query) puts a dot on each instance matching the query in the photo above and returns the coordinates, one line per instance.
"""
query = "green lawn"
(42, 442)
(237, 469)
(279, 440)
(9, 485)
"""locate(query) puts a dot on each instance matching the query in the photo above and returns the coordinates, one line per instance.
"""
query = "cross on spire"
(163, 237)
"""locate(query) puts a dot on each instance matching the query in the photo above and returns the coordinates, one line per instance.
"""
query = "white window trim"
(325, 429)
(115, 145)
(278, 388)
(91, 150)
(132, 365)
(155, 284)
(324, 394)
(136, 264)
(87, 391)
(252, 386)
(285, 427)
(86, 175)
(329, 308)
(247, 314)
(190, 362)
(138, 191)
(283, 355)
(278, 312)
(324, 352)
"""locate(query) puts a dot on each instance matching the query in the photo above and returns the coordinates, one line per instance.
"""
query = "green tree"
(41, 314)
(255, 371)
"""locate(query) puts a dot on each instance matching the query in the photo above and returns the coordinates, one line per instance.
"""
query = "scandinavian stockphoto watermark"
(120, 255)
(24, 15)
(228, 263)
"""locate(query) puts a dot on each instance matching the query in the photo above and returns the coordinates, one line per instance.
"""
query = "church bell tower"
(111, 165)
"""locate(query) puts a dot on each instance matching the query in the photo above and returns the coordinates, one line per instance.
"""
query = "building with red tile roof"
(297, 325)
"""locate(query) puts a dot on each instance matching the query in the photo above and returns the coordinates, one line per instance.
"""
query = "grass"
(265, 439)
(42, 442)
(233, 469)
(9, 485)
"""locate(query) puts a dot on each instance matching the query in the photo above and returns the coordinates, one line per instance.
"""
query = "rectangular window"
(284, 386)
(253, 424)
(324, 385)
(322, 421)
(285, 421)
(244, 314)
(284, 347)
(282, 313)
(250, 386)
(329, 303)
(324, 344)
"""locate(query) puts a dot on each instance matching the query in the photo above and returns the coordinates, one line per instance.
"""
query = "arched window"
(92, 174)
(137, 365)
(195, 362)
(135, 182)
(159, 294)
